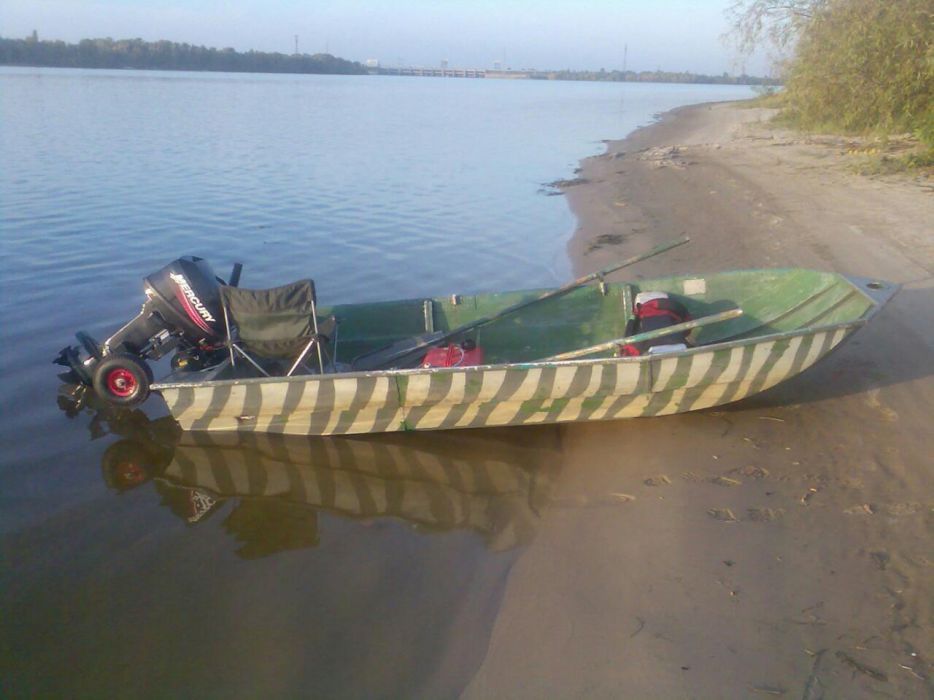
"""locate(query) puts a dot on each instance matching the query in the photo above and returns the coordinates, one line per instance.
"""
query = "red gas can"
(465, 355)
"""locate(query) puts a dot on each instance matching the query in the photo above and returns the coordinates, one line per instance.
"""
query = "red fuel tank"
(465, 355)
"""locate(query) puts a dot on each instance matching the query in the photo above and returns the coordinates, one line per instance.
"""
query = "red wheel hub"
(130, 473)
(121, 382)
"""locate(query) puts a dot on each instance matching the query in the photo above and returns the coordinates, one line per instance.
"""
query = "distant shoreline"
(427, 72)
(136, 54)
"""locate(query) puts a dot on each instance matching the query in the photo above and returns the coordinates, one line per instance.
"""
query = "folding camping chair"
(275, 324)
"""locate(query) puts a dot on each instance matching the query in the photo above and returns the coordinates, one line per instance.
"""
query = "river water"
(372, 567)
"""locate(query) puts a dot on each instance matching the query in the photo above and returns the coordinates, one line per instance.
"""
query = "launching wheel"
(122, 379)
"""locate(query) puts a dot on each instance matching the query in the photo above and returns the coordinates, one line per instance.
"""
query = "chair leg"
(314, 324)
(301, 356)
(334, 347)
(248, 358)
(230, 345)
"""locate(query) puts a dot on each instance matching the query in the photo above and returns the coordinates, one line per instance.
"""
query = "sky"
(672, 35)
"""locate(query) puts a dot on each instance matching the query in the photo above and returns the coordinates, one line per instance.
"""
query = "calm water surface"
(342, 568)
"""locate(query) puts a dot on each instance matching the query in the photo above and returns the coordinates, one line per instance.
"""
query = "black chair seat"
(274, 324)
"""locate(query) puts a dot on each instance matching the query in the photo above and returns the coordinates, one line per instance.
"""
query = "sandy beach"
(777, 547)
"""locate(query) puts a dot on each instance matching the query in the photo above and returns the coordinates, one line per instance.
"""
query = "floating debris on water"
(724, 481)
(660, 480)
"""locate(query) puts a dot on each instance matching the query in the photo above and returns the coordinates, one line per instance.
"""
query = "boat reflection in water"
(297, 566)
(481, 481)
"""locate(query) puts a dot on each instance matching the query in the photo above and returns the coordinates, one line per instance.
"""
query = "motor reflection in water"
(481, 481)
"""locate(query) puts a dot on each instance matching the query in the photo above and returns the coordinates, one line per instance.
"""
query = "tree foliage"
(866, 65)
(164, 55)
(776, 22)
(857, 65)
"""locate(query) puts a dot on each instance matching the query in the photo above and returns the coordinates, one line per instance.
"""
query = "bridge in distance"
(452, 72)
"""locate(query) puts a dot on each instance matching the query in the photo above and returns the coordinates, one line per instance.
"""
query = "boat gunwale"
(418, 371)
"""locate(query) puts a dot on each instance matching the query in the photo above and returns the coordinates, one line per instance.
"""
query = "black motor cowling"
(185, 294)
(182, 312)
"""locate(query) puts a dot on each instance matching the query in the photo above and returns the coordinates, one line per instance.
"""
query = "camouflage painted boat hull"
(737, 360)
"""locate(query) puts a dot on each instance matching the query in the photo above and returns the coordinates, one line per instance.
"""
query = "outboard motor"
(182, 312)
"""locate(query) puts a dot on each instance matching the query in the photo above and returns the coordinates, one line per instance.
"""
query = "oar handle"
(571, 286)
(600, 274)
(386, 356)
(647, 335)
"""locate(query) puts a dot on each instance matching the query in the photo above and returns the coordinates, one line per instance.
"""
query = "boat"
(548, 356)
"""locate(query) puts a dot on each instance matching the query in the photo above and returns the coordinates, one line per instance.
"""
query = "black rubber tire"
(122, 379)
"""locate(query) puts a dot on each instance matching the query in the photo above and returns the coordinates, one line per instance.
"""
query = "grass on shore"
(917, 163)
(875, 151)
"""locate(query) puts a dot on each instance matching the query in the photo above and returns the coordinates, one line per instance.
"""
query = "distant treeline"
(164, 55)
(654, 76)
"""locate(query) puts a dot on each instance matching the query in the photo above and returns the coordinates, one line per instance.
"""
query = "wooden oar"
(391, 354)
(648, 335)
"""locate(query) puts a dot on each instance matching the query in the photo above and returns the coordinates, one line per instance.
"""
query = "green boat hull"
(792, 318)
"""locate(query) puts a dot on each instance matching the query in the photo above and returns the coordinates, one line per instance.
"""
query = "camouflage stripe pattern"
(502, 395)
(365, 480)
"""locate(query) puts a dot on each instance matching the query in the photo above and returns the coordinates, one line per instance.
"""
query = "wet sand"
(777, 547)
